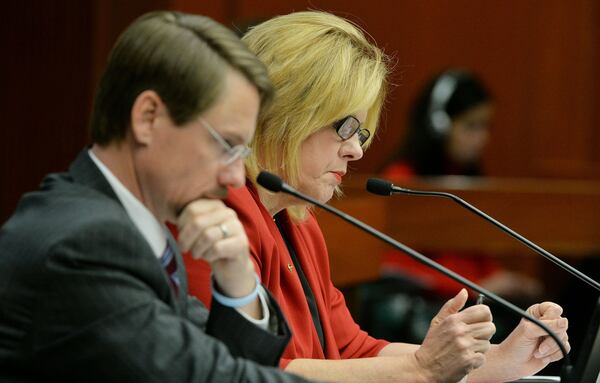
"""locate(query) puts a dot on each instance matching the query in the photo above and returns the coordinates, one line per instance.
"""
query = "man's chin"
(220, 193)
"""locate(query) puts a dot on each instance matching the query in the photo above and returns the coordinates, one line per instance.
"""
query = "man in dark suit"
(92, 286)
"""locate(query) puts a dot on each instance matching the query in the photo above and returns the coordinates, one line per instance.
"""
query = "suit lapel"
(84, 171)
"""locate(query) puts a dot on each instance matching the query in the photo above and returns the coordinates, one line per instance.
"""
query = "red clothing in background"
(473, 266)
(343, 338)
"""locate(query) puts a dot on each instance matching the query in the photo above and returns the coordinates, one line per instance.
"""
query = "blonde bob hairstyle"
(323, 69)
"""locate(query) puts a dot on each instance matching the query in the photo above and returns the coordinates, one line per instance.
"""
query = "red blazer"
(343, 338)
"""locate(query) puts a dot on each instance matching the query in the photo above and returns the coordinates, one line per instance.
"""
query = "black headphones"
(441, 92)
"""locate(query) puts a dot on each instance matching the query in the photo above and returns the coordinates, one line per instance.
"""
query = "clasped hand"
(212, 231)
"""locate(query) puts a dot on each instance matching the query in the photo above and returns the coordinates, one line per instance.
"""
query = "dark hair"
(181, 57)
(445, 97)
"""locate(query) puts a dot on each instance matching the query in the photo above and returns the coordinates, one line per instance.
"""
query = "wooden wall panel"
(111, 17)
(45, 91)
(538, 57)
(223, 11)
(564, 113)
(55, 52)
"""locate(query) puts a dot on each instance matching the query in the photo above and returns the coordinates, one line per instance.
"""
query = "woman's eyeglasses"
(348, 127)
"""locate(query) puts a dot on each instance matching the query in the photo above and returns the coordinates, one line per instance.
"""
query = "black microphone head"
(270, 181)
(379, 186)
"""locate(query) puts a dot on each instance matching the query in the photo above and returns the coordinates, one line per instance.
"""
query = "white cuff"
(264, 322)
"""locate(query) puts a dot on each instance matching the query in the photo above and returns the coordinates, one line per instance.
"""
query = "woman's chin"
(326, 196)
(322, 194)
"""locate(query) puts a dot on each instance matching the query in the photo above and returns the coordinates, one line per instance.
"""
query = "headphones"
(441, 92)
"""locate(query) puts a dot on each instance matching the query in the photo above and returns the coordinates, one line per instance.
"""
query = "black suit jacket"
(83, 298)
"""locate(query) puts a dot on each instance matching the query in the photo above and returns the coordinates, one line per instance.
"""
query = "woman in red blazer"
(330, 83)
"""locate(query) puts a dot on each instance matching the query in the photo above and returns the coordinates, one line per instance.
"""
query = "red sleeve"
(352, 342)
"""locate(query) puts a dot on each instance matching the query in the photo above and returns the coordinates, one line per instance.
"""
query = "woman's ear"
(144, 115)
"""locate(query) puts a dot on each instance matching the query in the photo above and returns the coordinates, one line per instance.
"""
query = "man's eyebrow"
(234, 138)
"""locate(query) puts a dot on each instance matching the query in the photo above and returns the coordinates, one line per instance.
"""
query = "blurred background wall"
(539, 58)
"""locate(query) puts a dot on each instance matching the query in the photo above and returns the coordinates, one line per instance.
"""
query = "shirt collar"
(147, 224)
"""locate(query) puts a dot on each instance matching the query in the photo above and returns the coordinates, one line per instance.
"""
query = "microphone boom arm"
(544, 253)
(423, 259)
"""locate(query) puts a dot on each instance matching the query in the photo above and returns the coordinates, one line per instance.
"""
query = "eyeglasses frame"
(233, 153)
(363, 134)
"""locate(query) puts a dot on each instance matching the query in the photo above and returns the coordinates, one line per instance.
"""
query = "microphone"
(270, 182)
(275, 184)
(386, 188)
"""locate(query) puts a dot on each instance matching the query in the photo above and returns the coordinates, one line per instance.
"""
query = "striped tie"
(168, 262)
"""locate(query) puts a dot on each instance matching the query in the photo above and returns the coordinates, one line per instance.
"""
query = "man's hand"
(212, 231)
(457, 341)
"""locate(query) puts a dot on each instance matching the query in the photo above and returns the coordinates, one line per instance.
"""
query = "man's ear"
(145, 112)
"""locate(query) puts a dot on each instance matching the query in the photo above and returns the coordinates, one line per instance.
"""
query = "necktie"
(169, 263)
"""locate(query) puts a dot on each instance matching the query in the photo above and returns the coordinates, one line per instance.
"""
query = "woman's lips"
(338, 176)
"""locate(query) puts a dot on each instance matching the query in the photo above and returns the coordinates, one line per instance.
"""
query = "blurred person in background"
(448, 130)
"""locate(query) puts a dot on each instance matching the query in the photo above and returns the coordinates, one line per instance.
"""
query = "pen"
(480, 299)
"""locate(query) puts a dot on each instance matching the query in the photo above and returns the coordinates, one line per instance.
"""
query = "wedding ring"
(224, 230)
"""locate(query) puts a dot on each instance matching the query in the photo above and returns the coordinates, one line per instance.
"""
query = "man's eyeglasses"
(348, 127)
(232, 153)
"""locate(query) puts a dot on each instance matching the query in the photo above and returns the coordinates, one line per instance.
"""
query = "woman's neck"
(273, 202)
